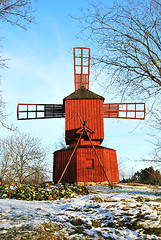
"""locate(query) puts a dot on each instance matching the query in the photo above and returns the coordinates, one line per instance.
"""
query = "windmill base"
(84, 166)
(82, 184)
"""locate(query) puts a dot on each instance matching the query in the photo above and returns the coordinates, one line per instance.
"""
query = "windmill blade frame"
(39, 111)
(81, 67)
(124, 110)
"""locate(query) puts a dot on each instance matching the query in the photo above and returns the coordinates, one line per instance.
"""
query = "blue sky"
(40, 70)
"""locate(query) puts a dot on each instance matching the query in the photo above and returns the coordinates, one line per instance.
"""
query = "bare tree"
(60, 142)
(17, 13)
(122, 167)
(127, 43)
(155, 124)
(127, 39)
(5, 164)
(2, 115)
(1, 107)
(24, 158)
(155, 156)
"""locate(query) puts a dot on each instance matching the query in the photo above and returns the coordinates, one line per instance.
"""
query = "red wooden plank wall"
(109, 160)
(87, 108)
(61, 158)
(81, 169)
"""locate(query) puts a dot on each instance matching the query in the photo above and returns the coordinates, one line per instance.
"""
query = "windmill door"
(89, 170)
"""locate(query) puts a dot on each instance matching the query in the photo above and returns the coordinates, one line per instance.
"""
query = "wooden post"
(99, 159)
(85, 130)
(70, 158)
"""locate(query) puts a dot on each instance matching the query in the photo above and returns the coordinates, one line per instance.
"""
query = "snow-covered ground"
(126, 212)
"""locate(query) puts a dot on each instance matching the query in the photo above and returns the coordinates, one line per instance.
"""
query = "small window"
(90, 163)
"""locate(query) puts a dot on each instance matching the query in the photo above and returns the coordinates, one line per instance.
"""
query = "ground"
(125, 212)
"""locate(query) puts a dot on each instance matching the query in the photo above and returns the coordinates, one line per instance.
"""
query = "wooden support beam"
(85, 130)
(70, 158)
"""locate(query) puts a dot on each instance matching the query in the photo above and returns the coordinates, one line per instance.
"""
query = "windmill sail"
(124, 110)
(40, 111)
(81, 67)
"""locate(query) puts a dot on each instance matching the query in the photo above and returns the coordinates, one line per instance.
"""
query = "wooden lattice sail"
(81, 67)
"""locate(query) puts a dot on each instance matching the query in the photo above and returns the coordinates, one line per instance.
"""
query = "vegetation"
(41, 192)
(106, 215)
(22, 159)
(16, 12)
(145, 176)
(127, 37)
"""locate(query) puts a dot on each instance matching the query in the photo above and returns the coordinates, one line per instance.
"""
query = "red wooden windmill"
(84, 160)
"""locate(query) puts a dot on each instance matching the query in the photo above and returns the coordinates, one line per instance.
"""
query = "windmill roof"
(82, 146)
(83, 93)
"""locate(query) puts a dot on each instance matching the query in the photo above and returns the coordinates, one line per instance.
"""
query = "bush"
(41, 192)
(145, 176)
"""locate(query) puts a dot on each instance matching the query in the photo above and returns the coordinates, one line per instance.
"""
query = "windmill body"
(84, 160)
(84, 165)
